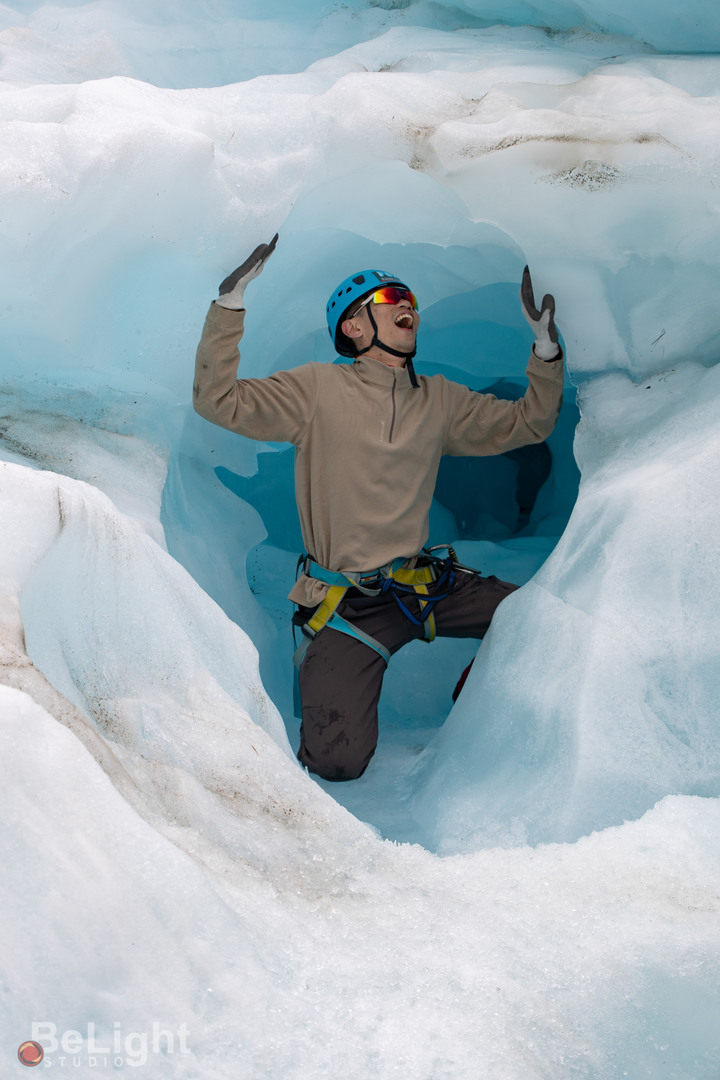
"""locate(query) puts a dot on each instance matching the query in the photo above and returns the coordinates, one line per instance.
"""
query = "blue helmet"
(353, 288)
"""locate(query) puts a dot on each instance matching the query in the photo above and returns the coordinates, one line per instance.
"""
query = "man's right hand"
(233, 287)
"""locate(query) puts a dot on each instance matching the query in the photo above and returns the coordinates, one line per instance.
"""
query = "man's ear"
(351, 329)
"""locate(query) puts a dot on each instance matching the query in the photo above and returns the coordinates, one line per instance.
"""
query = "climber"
(368, 439)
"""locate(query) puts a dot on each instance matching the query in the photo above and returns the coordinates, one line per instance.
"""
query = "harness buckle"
(306, 564)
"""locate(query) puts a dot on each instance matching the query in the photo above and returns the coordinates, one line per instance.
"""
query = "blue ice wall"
(230, 41)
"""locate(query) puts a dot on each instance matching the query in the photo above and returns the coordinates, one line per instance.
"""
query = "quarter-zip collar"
(379, 374)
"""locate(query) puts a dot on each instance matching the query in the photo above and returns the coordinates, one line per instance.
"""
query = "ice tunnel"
(506, 512)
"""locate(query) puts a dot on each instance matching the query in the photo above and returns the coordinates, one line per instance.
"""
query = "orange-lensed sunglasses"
(389, 294)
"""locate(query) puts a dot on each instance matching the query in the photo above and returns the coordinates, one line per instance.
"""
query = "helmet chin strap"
(408, 357)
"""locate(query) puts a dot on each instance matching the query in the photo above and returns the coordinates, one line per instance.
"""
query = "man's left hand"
(542, 321)
(232, 289)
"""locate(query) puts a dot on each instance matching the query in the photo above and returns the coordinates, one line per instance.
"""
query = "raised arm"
(277, 408)
(481, 424)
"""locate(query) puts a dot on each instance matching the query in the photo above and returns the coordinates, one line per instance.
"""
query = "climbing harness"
(396, 579)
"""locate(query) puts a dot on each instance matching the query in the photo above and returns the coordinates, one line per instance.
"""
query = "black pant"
(341, 679)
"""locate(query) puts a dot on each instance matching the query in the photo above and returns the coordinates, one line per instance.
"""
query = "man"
(368, 440)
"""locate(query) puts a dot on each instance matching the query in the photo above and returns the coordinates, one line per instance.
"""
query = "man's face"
(397, 324)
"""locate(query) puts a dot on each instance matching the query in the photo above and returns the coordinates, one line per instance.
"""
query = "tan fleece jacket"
(367, 444)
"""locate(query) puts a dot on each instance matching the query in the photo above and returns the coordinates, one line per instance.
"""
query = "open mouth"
(404, 320)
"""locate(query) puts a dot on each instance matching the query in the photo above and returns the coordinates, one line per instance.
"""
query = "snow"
(526, 887)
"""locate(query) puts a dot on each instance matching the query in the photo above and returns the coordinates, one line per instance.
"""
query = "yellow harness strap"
(429, 623)
(326, 610)
(419, 575)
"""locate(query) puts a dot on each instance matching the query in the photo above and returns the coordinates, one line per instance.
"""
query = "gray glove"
(542, 321)
(233, 287)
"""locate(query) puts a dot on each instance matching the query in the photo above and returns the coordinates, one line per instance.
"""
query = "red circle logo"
(31, 1053)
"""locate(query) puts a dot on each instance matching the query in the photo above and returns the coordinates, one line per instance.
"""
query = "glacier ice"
(628, 601)
(554, 913)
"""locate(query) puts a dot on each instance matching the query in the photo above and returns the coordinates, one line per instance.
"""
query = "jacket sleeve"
(277, 408)
(480, 424)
